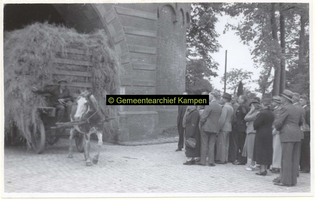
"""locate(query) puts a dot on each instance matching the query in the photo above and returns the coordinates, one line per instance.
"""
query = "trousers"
(277, 151)
(207, 146)
(222, 146)
(290, 162)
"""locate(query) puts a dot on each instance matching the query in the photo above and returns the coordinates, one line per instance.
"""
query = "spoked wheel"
(38, 137)
(79, 142)
(53, 136)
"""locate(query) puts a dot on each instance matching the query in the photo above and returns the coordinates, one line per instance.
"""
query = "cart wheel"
(79, 142)
(53, 136)
(38, 137)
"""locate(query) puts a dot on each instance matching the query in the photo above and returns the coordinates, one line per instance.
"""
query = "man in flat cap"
(209, 128)
(276, 143)
(305, 145)
(60, 98)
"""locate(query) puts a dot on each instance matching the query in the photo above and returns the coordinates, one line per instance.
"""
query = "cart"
(48, 131)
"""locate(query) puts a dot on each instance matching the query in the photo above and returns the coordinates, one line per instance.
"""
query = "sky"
(238, 55)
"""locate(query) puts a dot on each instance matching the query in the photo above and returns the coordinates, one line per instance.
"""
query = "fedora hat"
(62, 80)
(216, 94)
(276, 99)
(254, 101)
(227, 96)
(287, 94)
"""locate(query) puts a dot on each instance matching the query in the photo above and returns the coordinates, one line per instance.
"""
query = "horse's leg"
(100, 143)
(71, 139)
(87, 148)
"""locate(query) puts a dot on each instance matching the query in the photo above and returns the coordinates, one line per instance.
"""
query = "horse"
(86, 109)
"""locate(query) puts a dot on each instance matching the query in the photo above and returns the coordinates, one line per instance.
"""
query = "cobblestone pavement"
(130, 169)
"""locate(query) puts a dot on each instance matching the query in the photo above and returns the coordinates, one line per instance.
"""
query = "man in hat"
(180, 128)
(305, 145)
(209, 128)
(59, 97)
(222, 143)
(276, 143)
(288, 123)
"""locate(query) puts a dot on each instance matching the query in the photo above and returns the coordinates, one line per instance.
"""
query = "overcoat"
(263, 140)
(192, 130)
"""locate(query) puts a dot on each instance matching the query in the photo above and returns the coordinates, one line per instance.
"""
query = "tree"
(258, 28)
(234, 76)
(195, 81)
(201, 42)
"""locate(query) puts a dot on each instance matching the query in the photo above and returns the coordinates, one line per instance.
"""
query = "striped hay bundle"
(29, 56)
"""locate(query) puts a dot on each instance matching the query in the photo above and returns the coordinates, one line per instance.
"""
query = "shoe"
(275, 170)
(281, 184)
(264, 173)
(178, 149)
(235, 162)
(219, 162)
(249, 168)
(211, 165)
(189, 162)
(276, 180)
(198, 163)
(240, 163)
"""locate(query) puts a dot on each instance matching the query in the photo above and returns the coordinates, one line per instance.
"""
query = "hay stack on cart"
(40, 54)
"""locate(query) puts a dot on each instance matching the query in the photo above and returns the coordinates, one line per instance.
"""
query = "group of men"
(223, 133)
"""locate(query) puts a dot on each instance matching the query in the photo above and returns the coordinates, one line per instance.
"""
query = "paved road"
(130, 169)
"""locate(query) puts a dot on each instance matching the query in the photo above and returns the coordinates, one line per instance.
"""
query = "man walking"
(180, 128)
(209, 123)
(222, 143)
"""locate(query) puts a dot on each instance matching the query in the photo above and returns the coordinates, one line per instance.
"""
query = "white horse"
(86, 109)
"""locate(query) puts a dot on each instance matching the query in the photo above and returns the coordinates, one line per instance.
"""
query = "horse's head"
(85, 104)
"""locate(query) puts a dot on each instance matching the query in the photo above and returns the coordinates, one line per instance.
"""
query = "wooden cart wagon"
(48, 132)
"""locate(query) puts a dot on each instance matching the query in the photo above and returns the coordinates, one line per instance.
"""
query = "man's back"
(210, 117)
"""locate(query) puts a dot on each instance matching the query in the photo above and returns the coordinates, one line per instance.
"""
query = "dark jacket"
(55, 93)
(192, 130)
(263, 139)
(240, 123)
(180, 116)
(209, 120)
(288, 123)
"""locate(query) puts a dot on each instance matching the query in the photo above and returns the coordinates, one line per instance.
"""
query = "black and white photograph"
(61, 137)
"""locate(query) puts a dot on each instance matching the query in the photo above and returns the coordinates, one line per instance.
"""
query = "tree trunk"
(276, 82)
(282, 39)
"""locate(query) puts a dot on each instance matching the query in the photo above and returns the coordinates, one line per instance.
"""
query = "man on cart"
(60, 98)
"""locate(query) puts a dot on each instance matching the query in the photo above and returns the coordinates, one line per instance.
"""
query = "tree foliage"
(201, 42)
(259, 28)
(195, 81)
(234, 76)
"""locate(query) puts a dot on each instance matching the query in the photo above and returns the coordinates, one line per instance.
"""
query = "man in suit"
(59, 97)
(288, 123)
(222, 143)
(180, 128)
(305, 144)
(209, 124)
(239, 129)
(276, 143)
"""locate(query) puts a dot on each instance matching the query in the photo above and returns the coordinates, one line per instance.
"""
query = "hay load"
(30, 56)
